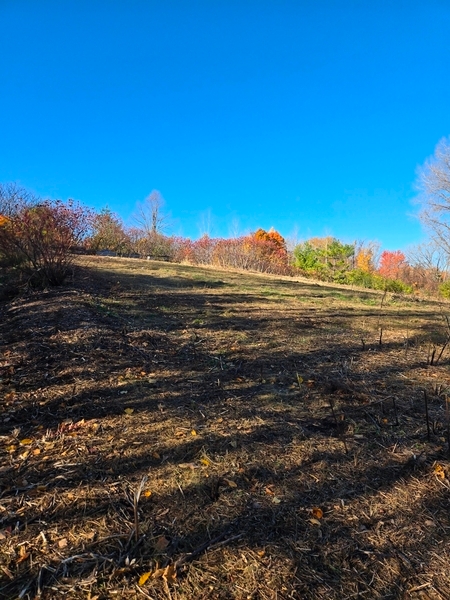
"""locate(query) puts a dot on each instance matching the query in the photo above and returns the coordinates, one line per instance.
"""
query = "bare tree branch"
(14, 198)
(150, 216)
(434, 185)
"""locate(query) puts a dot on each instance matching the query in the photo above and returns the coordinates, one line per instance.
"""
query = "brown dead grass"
(229, 435)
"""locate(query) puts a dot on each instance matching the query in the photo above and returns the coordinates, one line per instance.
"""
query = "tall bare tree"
(205, 224)
(431, 264)
(150, 215)
(14, 198)
(434, 185)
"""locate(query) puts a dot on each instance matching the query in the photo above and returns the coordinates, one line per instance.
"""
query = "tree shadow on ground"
(243, 440)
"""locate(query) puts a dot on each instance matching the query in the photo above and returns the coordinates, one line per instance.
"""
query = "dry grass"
(232, 436)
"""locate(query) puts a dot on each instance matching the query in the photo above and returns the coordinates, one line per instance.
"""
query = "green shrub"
(375, 281)
(398, 287)
(444, 290)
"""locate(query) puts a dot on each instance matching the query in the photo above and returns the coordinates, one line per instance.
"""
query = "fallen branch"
(216, 542)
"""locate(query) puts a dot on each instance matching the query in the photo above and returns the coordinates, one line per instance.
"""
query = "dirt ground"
(175, 432)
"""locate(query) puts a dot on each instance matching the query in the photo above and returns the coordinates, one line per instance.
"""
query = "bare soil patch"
(176, 432)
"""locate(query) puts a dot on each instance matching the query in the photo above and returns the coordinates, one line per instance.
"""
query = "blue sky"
(308, 116)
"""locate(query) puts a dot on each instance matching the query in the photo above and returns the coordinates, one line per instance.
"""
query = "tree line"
(39, 239)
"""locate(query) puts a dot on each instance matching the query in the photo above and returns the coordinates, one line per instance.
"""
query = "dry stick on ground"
(380, 326)
(442, 350)
(337, 424)
(137, 496)
(394, 404)
(426, 414)
(209, 545)
(444, 346)
(447, 415)
(431, 360)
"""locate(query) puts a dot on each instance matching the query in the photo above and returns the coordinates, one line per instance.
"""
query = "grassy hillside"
(226, 435)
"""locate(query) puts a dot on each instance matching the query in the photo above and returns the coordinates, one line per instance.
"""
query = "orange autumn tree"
(392, 263)
(271, 247)
(262, 251)
(364, 260)
(271, 236)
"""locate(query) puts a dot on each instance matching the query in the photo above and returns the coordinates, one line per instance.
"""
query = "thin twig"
(442, 351)
(337, 425)
(425, 395)
(372, 419)
(447, 415)
(137, 496)
(214, 543)
(394, 404)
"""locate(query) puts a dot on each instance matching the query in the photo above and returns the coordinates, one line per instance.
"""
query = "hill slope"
(232, 435)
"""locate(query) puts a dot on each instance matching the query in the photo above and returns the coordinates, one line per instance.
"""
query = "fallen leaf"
(317, 512)
(439, 471)
(129, 411)
(193, 432)
(147, 493)
(315, 521)
(230, 483)
(26, 442)
(62, 543)
(276, 500)
(205, 461)
(170, 573)
(143, 578)
(23, 555)
(158, 573)
(156, 455)
(161, 544)
(36, 451)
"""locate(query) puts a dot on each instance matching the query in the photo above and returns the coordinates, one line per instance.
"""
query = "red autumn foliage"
(392, 263)
(40, 239)
(271, 236)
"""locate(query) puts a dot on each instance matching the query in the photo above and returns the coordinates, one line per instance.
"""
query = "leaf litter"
(263, 451)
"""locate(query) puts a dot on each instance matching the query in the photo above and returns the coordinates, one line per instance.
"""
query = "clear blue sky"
(307, 115)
